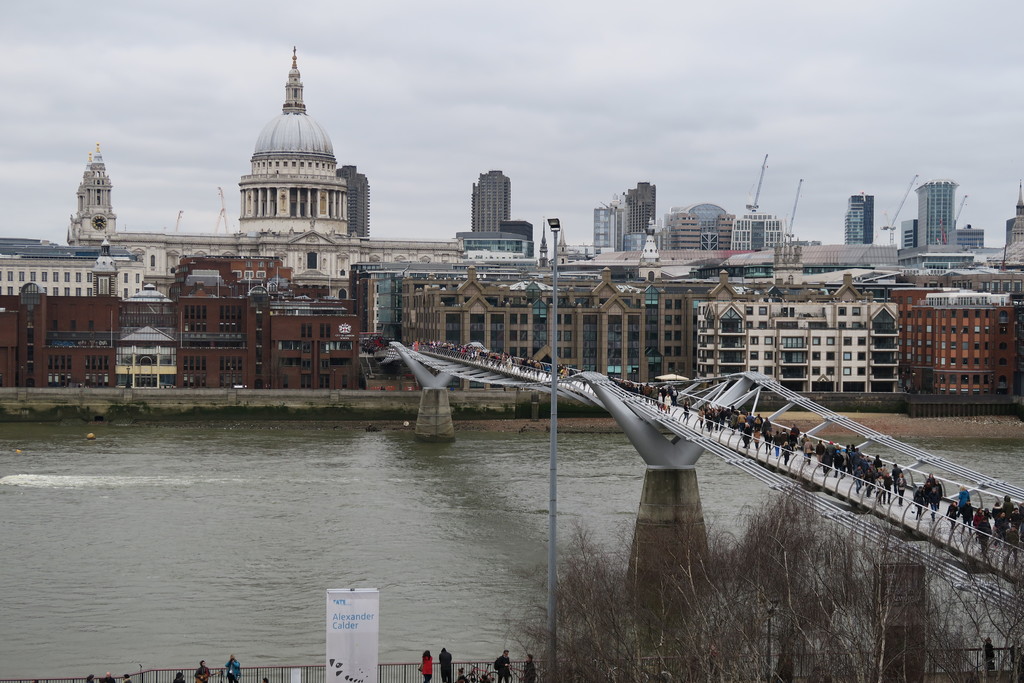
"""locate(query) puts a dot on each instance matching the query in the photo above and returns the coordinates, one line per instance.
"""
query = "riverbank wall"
(170, 405)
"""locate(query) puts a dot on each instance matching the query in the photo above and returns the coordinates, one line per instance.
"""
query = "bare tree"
(790, 596)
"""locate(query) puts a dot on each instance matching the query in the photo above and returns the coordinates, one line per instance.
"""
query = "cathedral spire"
(1020, 199)
(543, 261)
(293, 89)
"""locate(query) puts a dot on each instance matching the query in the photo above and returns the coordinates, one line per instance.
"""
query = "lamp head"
(554, 225)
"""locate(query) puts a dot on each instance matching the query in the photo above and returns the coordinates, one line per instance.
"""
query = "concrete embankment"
(169, 405)
(488, 408)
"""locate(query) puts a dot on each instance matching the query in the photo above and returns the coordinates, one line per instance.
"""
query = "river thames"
(157, 546)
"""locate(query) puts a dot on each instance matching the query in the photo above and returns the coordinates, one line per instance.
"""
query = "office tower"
(358, 201)
(698, 226)
(860, 219)
(936, 209)
(609, 220)
(756, 231)
(492, 201)
(908, 234)
(640, 211)
(970, 238)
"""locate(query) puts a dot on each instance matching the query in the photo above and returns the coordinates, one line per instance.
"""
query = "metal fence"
(386, 673)
(806, 667)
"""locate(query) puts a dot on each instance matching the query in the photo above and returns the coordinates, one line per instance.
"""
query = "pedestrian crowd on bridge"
(886, 482)
(477, 353)
(875, 478)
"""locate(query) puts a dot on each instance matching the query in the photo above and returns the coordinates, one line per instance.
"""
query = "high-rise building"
(492, 201)
(641, 207)
(860, 219)
(608, 225)
(970, 238)
(908, 234)
(358, 201)
(698, 226)
(936, 212)
(756, 231)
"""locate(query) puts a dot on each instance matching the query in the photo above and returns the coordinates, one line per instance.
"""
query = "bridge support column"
(434, 421)
(670, 534)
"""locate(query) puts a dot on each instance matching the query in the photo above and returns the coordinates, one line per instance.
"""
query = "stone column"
(670, 534)
(434, 421)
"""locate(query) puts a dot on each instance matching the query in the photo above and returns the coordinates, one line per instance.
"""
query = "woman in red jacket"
(427, 666)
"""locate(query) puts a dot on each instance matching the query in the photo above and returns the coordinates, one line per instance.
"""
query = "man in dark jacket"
(444, 658)
(503, 665)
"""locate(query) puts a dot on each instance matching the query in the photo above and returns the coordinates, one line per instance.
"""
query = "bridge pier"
(434, 420)
(670, 533)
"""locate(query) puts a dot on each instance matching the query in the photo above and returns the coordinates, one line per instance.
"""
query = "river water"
(157, 546)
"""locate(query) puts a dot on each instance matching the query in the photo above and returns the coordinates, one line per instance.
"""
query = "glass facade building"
(936, 211)
(860, 219)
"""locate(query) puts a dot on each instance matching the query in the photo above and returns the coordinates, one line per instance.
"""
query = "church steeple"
(1017, 229)
(543, 260)
(95, 215)
(293, 103)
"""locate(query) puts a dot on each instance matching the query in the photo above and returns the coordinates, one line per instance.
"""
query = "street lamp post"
(556, 227)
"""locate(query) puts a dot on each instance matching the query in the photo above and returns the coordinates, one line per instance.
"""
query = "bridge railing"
(961, 537)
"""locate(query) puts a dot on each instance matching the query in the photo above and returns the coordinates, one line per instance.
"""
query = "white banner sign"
(352, 635)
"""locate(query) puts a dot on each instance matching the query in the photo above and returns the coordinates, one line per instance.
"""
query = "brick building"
(632, 331)
(200, 340)
(57, 340)
(956, 342)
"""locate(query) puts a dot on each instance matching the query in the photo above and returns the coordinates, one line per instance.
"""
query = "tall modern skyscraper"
(860, 219)
(908, 234)
(608, 225)
(641, 207)
(936, 212)
(492, 201)
(358, 201)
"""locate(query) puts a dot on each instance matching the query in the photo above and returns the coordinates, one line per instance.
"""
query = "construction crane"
(959, 211)
(222, 217)
(792, 216)
(891, 226)
(177, 223)
(888, 227)
(757, 195)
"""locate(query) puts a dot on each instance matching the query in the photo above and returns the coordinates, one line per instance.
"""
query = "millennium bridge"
(670, 443)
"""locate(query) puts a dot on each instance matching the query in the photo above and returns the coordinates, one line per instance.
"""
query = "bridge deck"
(981, 551)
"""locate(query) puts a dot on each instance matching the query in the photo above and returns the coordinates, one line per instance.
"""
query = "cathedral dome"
(294, 133)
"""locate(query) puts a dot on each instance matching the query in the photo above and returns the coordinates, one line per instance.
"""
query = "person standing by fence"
(427, 666)
(444, 658)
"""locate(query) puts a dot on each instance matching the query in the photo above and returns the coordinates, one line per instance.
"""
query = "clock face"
(99, 222)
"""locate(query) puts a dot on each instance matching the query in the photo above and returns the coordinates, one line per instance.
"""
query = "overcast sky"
(574, 101)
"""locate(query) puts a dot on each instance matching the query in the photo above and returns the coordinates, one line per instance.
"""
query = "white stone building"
(293, 207)
(843, 342)
(756, 231)
(64, 271)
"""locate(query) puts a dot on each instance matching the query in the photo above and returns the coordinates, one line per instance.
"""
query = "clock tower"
(95, 219)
